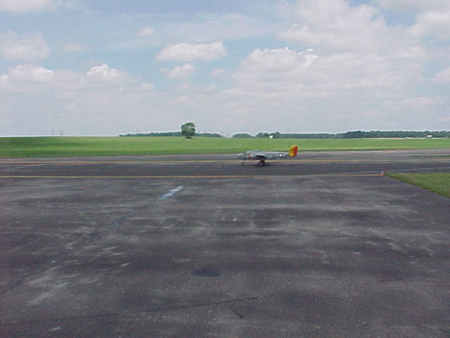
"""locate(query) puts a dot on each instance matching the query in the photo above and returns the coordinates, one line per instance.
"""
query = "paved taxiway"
(199, 246)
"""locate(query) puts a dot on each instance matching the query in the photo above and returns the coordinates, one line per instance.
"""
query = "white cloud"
(22, 6)
(318, 91)
(192, 52)
(432, 16)
(415, 104)
(183, 72)
(23, 47)
(26, 78)
(26, 5)
(333, 26)
(432, 23)
(148, 87)
(443, 77)
(98, 101)
(32, 73)
(105, 75)
(421, 103)
(285, 72)
(31, 79)
(356, 48)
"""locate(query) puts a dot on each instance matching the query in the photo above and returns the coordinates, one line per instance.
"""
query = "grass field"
(113, 146)
(436, 182)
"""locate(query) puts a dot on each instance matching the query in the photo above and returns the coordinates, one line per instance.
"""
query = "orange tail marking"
(293, 151)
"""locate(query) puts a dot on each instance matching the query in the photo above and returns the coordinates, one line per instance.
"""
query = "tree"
(242, 135)
(275, 135)
(188, 130)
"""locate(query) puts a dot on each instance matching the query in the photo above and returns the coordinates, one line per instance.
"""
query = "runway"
(313, 163)
(202, 246)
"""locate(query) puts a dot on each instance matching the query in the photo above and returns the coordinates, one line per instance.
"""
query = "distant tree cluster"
(155, 134)
(242, 135)
(187, 130)
(351, 134)
(269, 135)
(394, 134)
(170, 134)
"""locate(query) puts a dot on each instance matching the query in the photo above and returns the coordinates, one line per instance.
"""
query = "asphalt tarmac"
(324, 245)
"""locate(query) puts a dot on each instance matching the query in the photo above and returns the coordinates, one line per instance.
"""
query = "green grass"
(112, 146)
(436, 182)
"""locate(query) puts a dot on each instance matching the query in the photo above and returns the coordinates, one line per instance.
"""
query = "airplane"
(262, 156)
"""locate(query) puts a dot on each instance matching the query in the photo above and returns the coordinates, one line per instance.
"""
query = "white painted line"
(172, 192)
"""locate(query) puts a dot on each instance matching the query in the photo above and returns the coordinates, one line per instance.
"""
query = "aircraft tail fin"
(293, 151)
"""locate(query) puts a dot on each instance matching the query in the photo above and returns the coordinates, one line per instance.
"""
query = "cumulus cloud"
(357, 48)
(183, 72)
(25, 5)
(418, 104)
(443, 77)
(323, 89)
(148, 87)
(22, 6)
(82, 102)
(104, 75)
(192, 52)
(34, 79)
(27, 47)
(432, 23)
(27, 78)
(31, 78)
(334, 26)
(432, 17)
(307, 74)
(19, 6)
(421, 103)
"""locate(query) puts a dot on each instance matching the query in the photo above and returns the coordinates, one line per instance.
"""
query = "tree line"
(170, 134)
(350, 135)
(346, 135)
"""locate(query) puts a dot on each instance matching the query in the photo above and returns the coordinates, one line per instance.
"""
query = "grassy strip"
(436, 182)
(112, 146)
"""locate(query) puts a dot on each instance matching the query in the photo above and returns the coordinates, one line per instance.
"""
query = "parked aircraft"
(262, 156)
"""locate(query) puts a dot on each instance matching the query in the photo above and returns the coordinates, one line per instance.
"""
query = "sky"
(111, 67)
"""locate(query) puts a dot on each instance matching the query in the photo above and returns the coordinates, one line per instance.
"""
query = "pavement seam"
(124, 314)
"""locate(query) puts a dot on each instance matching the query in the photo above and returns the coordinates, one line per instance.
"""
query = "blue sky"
(114, 67)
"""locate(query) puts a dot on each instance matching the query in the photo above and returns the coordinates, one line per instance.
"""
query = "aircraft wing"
(260, 156)
(267, 155)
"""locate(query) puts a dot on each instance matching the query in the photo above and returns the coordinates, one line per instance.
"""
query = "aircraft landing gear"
(262, 163)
